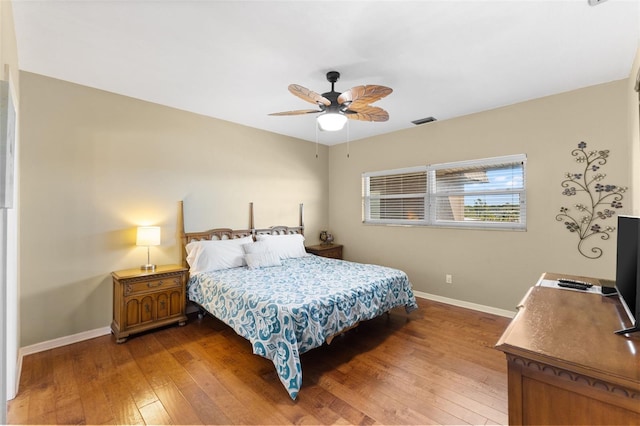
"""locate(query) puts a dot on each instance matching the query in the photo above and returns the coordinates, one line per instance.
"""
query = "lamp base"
(148, 267)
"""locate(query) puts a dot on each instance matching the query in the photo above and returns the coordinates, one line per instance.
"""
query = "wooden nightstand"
(326, 250)
(144, 300)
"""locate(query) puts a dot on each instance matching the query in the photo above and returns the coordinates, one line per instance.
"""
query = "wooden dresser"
(143, 300)
(326, 250)
(565, 364)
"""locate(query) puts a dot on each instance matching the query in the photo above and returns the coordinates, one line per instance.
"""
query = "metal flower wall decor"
(601, 203)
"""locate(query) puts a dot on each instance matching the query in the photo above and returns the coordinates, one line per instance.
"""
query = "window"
(488, 193)
(395, 196)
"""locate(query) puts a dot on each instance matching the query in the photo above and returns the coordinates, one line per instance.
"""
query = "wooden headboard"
(228, 233)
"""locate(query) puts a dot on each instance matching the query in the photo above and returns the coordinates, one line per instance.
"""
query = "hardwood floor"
(436, 365)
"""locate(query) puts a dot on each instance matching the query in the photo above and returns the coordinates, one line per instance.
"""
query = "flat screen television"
(628, 269)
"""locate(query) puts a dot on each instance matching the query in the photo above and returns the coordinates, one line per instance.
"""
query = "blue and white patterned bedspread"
(287, 310)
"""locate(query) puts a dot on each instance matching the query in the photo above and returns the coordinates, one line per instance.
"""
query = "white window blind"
(395, 196)
(487, 193)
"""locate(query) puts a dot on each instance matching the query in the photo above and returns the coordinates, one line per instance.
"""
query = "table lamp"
(148, 236)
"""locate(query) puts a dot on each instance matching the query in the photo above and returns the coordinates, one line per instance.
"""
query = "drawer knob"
(156, 284)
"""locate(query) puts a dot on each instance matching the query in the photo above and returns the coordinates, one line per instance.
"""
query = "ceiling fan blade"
(308, 95)
(369, 113)
(361, 96)
(297, 112)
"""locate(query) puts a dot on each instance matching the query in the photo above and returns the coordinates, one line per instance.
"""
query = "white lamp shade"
(148, 236)
(331, 121)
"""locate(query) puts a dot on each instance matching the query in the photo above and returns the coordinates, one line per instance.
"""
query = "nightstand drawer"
(326, 250)
(138, 287)
(334, 252)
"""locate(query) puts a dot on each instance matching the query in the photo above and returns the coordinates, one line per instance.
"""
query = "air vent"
(423, 120)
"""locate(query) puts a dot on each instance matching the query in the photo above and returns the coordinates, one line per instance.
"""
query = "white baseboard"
(468, 305)
(90, 334)
(11, 393)
(52, 344)
(62, 341)
(86, 335)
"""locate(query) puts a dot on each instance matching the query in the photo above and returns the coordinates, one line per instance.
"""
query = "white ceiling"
(233, 60)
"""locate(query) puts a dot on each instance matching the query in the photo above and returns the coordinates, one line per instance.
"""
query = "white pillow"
(216, 254)
(257, 247)
(285, 246)
(262, 259)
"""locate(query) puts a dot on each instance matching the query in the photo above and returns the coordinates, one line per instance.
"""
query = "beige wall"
(8, 45)
(95, 165)
(492, 268)
(634, 132)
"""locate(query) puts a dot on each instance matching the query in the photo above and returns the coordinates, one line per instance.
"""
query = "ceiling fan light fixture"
(331, 121)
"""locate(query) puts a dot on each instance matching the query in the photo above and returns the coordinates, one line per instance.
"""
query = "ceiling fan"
(336, 108)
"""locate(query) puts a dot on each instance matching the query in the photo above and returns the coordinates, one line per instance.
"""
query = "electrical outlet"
(448, 279)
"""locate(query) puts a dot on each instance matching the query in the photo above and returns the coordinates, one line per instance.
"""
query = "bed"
(263, 284)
